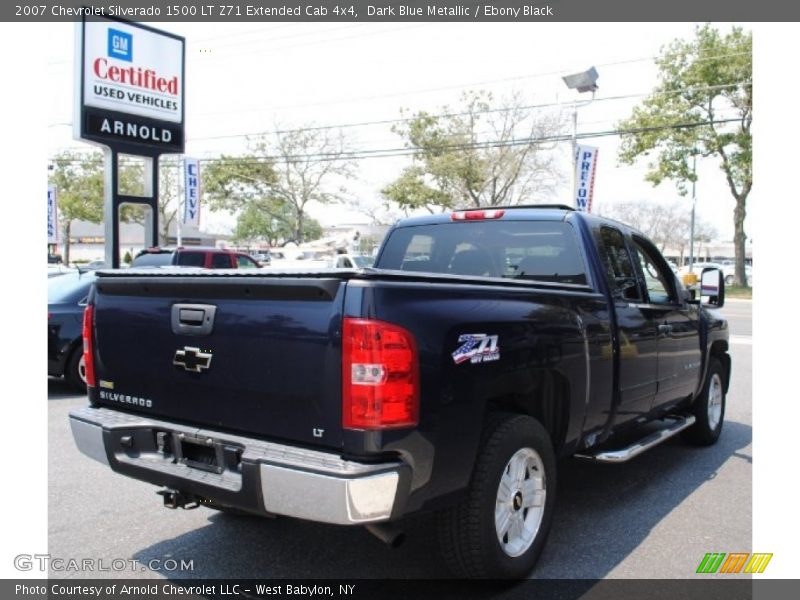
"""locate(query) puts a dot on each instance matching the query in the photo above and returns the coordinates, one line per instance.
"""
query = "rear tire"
(499, 530)
(709, 408)
(75, 373)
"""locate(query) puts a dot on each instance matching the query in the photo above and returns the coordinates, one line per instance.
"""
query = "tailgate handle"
(193, 319)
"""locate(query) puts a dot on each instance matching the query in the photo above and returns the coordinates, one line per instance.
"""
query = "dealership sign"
(131, 86)
(191, 205)
(52, 215)
(585, 167)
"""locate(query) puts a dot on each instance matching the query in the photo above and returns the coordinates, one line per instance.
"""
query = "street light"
(585, 81)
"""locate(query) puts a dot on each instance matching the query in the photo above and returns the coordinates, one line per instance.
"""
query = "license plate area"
(199, 453)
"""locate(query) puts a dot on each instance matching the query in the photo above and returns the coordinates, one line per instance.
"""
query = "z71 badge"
(477, 348)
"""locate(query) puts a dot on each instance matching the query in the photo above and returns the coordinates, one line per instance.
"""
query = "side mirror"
(712, 287)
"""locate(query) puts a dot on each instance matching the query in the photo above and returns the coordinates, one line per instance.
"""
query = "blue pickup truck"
(482, 347)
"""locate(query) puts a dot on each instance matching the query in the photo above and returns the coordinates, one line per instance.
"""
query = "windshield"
(540, 250)
(70, 288)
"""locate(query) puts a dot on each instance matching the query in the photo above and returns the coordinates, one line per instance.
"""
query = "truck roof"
(539, 212)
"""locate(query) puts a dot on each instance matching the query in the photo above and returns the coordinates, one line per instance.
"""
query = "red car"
(194, 256)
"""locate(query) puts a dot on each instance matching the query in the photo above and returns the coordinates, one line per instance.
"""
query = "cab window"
(658, 277)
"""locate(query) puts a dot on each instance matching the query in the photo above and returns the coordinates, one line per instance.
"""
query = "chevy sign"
(191, 203)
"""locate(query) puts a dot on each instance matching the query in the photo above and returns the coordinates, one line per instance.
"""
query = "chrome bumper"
(296, 482)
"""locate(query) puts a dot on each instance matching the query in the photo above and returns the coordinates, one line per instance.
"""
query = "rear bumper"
(249, 474)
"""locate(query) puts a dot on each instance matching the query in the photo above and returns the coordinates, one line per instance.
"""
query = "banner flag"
(585, 168)
(191, 204)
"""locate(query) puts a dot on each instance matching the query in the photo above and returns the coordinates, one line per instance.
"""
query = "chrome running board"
(654, 439)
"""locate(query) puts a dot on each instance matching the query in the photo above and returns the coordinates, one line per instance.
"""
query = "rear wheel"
(75, 373)
(500, 529)
(709, 408)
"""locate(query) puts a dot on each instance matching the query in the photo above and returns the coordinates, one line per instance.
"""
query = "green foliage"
(254, 223)
(707, 79)
(481, 154)
(270, 187)
(79, 180)
(127, 259)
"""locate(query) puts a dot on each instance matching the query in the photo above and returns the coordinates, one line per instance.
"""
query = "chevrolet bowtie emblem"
(192, 359)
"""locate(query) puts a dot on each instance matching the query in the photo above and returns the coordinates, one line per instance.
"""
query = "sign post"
(130, 97)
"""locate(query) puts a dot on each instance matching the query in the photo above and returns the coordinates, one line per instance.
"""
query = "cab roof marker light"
(476, 215)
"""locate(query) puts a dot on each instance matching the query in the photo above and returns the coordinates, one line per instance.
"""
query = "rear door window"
(220, 261)
(536, 250)
(619, 266)
(192, 259)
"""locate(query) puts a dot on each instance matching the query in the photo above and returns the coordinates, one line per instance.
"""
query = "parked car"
(56, 270)
(484, 346)
(54, 259)
(727, 267)
(194, 256)
(263, 258)
(351, 261)
(66, 299)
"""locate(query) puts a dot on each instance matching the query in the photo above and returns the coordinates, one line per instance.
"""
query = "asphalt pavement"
(654, 517)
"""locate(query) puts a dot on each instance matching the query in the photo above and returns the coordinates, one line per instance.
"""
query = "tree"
(668, 225)
(132, 181)
(707, 80)
(78, 178)
(482, 155)
(253, 223)
(280, 177)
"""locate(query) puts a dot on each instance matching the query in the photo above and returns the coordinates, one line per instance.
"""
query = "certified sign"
(131, 84)
(133, 70)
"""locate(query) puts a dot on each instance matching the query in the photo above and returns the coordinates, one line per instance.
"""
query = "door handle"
(665, 329)
(193, 319)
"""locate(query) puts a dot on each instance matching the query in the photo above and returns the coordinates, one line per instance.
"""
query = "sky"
(248, 78)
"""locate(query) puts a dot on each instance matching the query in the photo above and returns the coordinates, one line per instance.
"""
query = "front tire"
(500, 528)
(709, 408)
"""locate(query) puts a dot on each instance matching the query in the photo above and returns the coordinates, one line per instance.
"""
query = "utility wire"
(464, 113)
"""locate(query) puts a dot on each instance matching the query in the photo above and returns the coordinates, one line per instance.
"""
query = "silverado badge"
(192, 359)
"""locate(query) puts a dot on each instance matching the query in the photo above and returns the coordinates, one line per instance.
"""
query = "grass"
(738, 291)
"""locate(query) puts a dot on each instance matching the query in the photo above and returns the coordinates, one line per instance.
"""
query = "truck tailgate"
(258, 355)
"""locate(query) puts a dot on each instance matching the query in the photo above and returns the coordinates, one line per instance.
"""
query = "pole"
(575, 107)
(694, 202)
(179, 220)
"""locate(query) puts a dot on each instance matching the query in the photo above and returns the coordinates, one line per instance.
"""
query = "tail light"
(380, 375)
(88, 344)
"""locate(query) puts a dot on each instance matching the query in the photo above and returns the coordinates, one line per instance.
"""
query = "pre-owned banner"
(52, 215)
(191, 203)
(585, 167)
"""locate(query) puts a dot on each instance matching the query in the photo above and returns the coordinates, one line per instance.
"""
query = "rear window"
(152, 259)
(537, 250)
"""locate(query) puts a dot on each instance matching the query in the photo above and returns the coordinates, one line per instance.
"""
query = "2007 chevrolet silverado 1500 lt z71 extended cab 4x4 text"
(485, 345)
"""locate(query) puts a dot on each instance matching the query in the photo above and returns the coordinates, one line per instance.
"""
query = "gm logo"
(120, 45)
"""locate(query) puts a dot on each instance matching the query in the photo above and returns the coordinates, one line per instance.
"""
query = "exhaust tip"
(389, 534)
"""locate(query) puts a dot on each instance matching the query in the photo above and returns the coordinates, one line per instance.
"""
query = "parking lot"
(654, 517)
